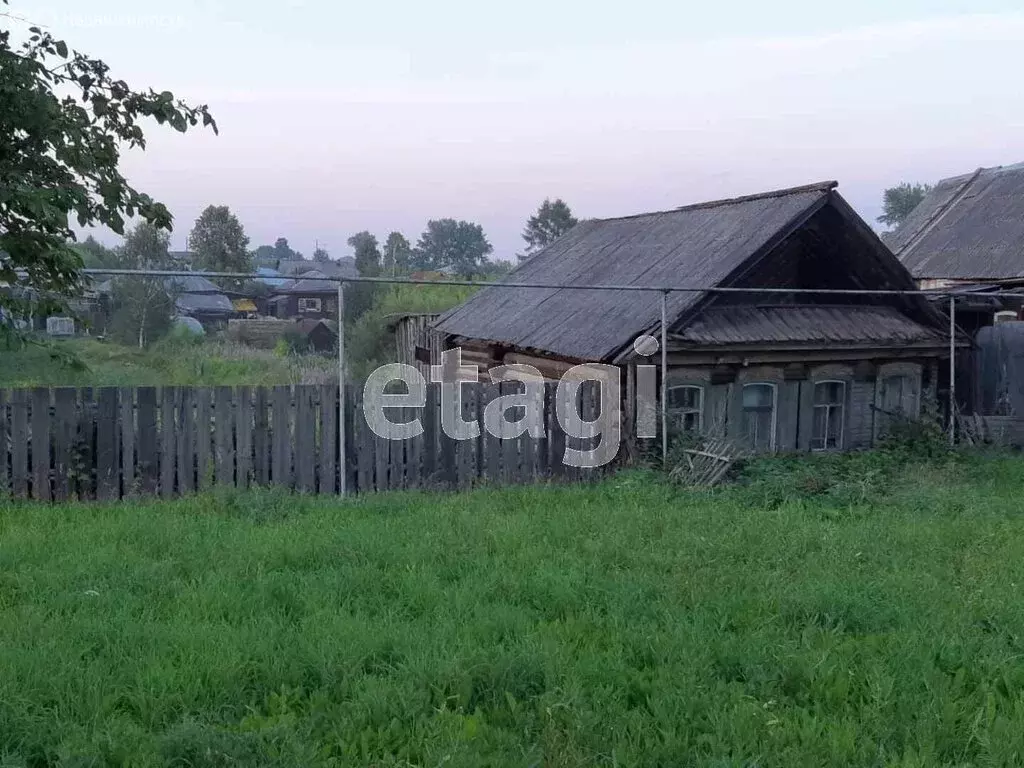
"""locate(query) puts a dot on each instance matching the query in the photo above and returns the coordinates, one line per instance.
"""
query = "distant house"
(969, 229)
(305, 297)
(772, 372)
(968, 234)
(197, 297)
(343, 267)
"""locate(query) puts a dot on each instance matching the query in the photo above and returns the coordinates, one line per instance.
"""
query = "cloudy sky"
(342, 116)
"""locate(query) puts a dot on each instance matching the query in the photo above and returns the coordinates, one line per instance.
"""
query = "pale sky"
(339, 116)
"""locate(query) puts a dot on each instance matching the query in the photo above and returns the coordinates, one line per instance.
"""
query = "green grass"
(106, 363)
(778, 623)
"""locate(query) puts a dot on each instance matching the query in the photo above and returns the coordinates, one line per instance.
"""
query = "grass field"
(825, 613)
(106, 363)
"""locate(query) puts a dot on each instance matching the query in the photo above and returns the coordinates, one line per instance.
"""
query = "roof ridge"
(823, 186)
(986, 169)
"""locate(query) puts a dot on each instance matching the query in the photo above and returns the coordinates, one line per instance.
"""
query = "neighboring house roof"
(193, 293)
(705, 245)
(343, 267)
(192, 284)
(968, 227)
(305, 285)
(210, 303)
(271, 277)
(805, 324)
(308, 326)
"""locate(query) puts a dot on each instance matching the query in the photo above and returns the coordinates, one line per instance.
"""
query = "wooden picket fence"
(110, 443)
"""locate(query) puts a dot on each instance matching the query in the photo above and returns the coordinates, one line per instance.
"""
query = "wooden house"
(969, 229)
(305, 298)
(783, 371)
(417, 343)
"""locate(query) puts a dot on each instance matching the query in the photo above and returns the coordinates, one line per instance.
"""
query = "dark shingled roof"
(968, 227)
(805, 324)
(698, 245)
(211, 303)
(307, 286)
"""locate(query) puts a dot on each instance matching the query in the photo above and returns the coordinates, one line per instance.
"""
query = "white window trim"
(842, 421)
(775, 406)
(700, 404)
(304, 301)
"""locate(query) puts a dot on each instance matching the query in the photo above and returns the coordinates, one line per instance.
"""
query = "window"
(685, 407)
(827, 424)
(759, 416)
(899, 396)
(309, 305)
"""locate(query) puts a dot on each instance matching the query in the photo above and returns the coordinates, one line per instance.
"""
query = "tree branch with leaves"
(64, 123)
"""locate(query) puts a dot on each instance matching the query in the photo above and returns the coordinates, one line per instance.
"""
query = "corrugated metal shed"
(810, 324)
(968, 227)
(698, 245)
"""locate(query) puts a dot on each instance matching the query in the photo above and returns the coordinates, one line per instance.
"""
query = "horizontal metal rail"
(557, 286)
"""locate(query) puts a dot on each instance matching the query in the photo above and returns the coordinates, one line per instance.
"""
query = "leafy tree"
(219, 242)
(94, 254)
(264, 256)
(359, 297)
(367, 253)
(460, 245)
(142, 307)
(397, 253)
(283, 251)
(898, 202)
(63, 124)
(552, 220)
(321, 255)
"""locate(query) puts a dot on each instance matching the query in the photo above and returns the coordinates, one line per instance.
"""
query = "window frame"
(699, 410)
(773, 441)
(842, 420)
(914, 411)
(303, 304)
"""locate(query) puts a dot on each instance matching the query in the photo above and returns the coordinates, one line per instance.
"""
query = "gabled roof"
(304, 284)
(213, 303)
(343, 267)
(698, 245)
(192, 284)
(968, 227)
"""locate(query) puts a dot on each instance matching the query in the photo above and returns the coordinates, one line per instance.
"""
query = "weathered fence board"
(41, 443)
(147, 440)
(19, 442)
(187, 441)
(5, 442)
(261, 435)
(305, 439)
(64, 439)
(203, 434)
(112, 443)
(328, 479)
(281, 437)
(108, 476)
(223, 436)
(168, 447)
(243, 437)
(127, 398)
